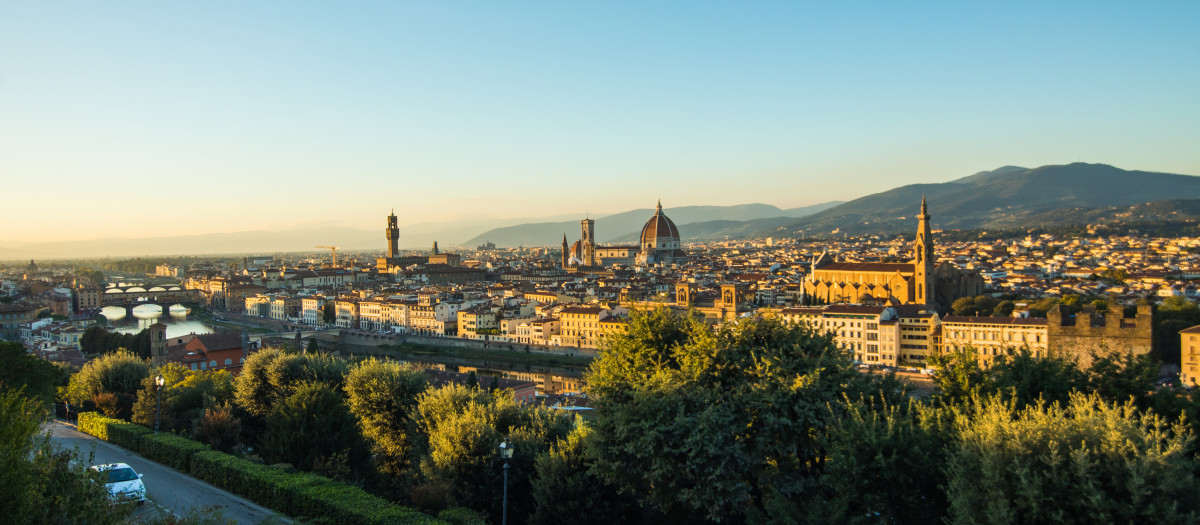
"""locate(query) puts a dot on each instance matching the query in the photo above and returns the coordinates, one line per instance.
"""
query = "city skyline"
(226, 119)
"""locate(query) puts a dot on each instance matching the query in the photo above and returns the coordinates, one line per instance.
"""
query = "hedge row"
(95, 424)
(126, 435)
(300, 494)
(295, 494)
(168, 449)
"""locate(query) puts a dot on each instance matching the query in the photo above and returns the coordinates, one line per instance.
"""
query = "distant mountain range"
(625, 227)
(1007, 197)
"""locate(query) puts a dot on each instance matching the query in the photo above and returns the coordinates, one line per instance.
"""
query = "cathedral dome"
(660, 230)
(659, 240)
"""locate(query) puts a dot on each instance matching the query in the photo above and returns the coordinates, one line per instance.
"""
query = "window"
(228, 362)
(212, 363)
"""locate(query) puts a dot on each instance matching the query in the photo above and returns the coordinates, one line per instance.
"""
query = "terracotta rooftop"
(1024, 321)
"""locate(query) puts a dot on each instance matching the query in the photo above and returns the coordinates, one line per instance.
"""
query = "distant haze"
(1007, 197)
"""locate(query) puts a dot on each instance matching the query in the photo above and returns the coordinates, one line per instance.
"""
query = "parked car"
(123, 483)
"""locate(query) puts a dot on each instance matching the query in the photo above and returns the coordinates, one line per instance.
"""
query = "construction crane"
(333, 250)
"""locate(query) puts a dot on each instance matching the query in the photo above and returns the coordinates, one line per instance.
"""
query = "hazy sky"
(117, 116)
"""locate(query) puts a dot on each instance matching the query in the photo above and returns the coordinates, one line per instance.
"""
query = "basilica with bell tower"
(920, 281)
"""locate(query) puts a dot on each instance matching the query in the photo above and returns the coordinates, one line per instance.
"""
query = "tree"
(1018, 375)
(254, 391)
(722, 424)
(119, 373)
(565, 490)
(958, 375)
(1003, 308)
(313, 428)
(328, 313)
(885, 466)
(382, 396)
(41, 483)
(183, 398)
(1173, 315)
(313, 346)
(1025, 378)
(1087, 461)
(218, 428)
(1118, 377)
(20, 370)
(462, 428)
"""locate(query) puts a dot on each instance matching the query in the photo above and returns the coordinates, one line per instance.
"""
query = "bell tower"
(566, 257)
(587, 241)
(923, 259)
(158, 344)
(393, 235)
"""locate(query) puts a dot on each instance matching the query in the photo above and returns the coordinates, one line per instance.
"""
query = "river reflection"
(177, 320)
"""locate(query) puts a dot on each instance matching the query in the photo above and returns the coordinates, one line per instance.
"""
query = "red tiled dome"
(658, 227)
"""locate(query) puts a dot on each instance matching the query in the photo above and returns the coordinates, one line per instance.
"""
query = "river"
(178, 321)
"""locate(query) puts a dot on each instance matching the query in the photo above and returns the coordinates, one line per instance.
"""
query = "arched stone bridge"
(164, 296)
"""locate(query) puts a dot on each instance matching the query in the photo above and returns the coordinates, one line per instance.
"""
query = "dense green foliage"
(751, 422)
(462, 428)
(719, 425)
(1173, 315)
(313, 429)
(566, 490)
(1084, 461)
(36, 378)
(183, 398)
(382, 396)
(119, 374)
(41, 483)
(272, 375)
(99, 340)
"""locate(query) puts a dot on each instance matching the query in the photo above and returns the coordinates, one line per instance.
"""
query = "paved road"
(166, 487)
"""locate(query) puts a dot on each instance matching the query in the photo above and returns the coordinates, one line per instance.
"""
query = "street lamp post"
(506, 452)
(157, 400)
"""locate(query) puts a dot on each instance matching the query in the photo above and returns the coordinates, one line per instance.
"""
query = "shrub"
(126, 435)
(107, 402)
(170, 449)
(461, 516)
(95, 424)
(302, 495)
(219, 429)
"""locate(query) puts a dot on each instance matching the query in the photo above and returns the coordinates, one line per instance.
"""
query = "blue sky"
(265, 114)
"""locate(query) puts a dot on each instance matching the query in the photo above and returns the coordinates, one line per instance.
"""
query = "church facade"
(658, 244)
(919, 281)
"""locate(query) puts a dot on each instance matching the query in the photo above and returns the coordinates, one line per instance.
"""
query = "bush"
(95, 424)
(170, 449)
(302, 495)
(461, 516)
(219, 429)
(126, 435)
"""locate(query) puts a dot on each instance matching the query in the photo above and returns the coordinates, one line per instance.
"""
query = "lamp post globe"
(506, 453)
(158, 382)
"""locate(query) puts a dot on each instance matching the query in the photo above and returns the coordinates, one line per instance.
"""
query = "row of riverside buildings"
(907, 335)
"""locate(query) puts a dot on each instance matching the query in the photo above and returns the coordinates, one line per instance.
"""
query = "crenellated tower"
(393, 235)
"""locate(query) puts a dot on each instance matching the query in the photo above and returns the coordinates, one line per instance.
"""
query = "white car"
(122, 482)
